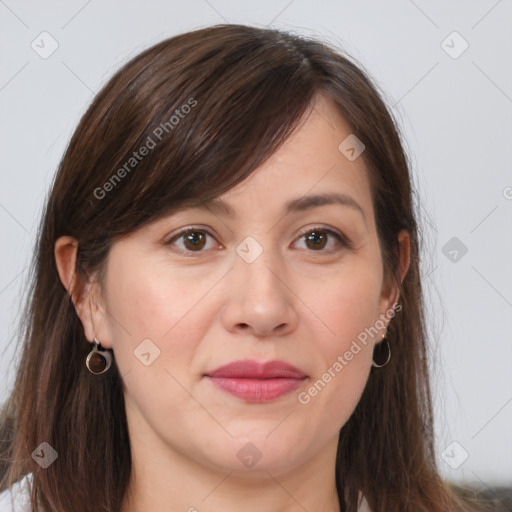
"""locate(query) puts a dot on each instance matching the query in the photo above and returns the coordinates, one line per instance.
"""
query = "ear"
(391, 292)
(87, 297)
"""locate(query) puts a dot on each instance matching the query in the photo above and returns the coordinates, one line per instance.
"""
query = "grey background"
(456, 116)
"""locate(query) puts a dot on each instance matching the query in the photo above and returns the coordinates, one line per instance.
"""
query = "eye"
(317, 239)
(196, 240)
(191, 240)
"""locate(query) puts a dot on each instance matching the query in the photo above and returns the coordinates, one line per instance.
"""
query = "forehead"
(309, 163)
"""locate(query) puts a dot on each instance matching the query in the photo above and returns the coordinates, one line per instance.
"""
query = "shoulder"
(17, 498)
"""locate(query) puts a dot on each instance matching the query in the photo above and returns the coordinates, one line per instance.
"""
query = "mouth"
(256, 382)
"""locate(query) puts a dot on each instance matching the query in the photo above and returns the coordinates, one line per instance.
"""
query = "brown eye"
(194, 240)
(190, 241)
(322, 240)
(316, 240)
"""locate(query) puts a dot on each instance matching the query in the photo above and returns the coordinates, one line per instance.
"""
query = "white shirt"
(17, 499)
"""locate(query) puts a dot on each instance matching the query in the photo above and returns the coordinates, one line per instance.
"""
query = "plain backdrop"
(452, 95)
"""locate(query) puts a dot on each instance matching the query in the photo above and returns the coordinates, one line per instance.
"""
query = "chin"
(258, 454)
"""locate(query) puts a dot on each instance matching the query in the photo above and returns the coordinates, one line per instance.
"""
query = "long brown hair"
(210, 105)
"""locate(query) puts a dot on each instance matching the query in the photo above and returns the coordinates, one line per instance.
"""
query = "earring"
(98, 360)
(377, 365)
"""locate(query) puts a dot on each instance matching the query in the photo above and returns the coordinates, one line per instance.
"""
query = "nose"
(260, 300)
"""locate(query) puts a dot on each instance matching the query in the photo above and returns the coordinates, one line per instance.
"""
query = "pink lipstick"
(257, 382)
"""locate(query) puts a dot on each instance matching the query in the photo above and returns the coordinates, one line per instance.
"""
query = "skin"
(296, 302)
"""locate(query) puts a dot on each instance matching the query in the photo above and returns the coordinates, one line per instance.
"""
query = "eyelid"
(185, 230)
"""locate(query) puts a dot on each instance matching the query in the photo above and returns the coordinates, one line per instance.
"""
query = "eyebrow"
(299, 204)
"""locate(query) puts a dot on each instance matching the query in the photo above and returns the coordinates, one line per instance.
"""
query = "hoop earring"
(98, 360)
(376, 365)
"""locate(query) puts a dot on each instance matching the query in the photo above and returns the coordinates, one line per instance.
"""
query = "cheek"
(149, 301)
(348, 308)
(336, 386)
(140, 305)
(139, 312)
(155, 336)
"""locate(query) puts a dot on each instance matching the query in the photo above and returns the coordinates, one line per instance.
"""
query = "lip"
(257, 382)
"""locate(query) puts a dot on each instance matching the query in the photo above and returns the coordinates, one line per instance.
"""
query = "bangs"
(183, 123)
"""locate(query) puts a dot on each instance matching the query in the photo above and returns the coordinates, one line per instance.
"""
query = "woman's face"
(286, 268)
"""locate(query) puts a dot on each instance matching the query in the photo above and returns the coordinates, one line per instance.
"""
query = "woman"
(226, 308)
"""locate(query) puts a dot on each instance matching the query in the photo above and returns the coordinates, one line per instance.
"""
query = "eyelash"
(343, 241)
